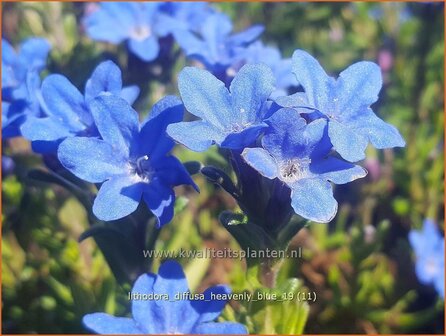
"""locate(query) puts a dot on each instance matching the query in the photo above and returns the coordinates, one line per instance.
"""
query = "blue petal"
(358, 86)
(210, 308)
(178, 316)
(65, 102)
(212, 104)
(245, 138)
(34, 52)
(8, 53)
(105, 78)
(147, 49)
(117, 198)
(195, 135)
(189, 42)
(145, 312)
(246, 36)
(116, 121)
(337, 171)
(153, 139)
(101, 24)
(130, 93)
(44, 129)
(160, 199)
(348, 142)
(102, 323)
(298, 99)
(313, 78)
(172, 172)
(91, 159)
(215, 29)
(313, 199)
(250, 89)
(221, 328)
(260, 160)
(381, 134)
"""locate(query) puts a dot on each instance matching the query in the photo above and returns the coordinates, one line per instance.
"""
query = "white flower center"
(294, 170)
(141, 32)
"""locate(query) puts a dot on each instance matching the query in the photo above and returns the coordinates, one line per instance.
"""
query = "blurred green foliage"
(360, 265)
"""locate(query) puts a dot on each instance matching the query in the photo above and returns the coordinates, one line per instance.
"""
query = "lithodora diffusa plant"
(286, 149)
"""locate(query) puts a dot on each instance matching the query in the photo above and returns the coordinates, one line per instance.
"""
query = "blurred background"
(361, 264)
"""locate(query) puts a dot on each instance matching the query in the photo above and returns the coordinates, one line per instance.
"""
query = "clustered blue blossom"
(21, 82)
(171, 315)
(66, 112)
(428, 245)
(131, 161)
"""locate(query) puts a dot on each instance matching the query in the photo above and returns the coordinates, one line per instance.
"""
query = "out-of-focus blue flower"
(345, 103)
(297, 154)
(132, 162)
(230, 118)
(185, 15)
(175, 311)
(8, 165)
(139, 23)
(67, 111)
(214, 46)
(428, 245)
(257, 52)
(21, 82)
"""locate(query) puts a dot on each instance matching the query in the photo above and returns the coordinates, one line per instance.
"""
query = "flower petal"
(106, 77)
(172, 172)
(43, 129)
(117, 198)
(337, 171)
(153, 139)
(34, 52)
(210, 308)
(102, 323)
(312, 77)
(147, 49)
(145, 312)
(130, 93)
(250, 89)
(161, 200)
(358, 86)
(313, 199)
(178, 316)
(381, 134)
(246, 36)
(65, 102)
(262, 161)
(213, 104)
(195, 135)
(91, 159)
(221, 328)
(348, 142)
(116, 121)
(245, 138)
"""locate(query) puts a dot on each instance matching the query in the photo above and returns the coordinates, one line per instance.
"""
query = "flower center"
(140, 32)
(293, 170)
(140, 168)
(431, 267)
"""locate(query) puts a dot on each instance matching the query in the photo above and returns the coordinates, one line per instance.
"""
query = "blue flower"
(297, 154)
(21, 82)
(345, 103)
(67, 111)
(428, 245)
(139, 23)
(257, 52)
(131, 161)
(172, 312)
(232, 119)
(185, 15)
(214, 46)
